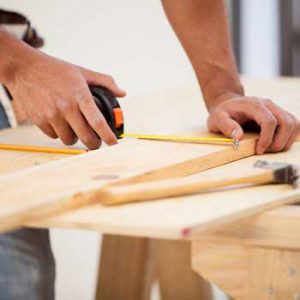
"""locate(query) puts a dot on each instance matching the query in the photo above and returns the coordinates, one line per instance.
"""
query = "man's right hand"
(55, 96)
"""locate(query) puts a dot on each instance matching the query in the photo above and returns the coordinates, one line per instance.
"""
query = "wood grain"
(177, 281)
(248, 272)
(197, 212)
(11, 161)
(126, 269)
(278, 228)
(74, 182)
(181, 217)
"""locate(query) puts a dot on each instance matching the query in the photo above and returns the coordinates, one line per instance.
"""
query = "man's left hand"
(279, 128)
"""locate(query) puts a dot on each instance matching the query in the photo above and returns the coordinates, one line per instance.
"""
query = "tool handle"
(177, 187)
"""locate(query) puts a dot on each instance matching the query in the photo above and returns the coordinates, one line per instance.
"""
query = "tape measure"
(110, 108)
(112, 112)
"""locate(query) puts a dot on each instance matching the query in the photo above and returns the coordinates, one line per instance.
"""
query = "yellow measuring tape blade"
(195, 139)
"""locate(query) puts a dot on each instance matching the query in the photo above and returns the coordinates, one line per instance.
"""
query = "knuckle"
(290, 123)
(270, 120)
(65, 106)
(98, 122)
(51, 114)
(258, 104)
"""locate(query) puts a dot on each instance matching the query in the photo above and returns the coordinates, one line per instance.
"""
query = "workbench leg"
(125, 271)
(248, 272)
(173, 268)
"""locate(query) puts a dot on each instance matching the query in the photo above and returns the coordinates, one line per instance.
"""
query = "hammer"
(266, 173)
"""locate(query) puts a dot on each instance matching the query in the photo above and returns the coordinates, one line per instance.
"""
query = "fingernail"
(234, 134)
(111, 143)
(122, 92)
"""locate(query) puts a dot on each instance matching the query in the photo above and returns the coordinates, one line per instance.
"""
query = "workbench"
(246, 241)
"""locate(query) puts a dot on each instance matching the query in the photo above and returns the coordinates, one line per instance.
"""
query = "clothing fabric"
(27, 266)
(4, 123)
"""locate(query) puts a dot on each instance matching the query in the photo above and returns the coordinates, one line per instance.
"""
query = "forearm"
(202, 27)
(14, 55)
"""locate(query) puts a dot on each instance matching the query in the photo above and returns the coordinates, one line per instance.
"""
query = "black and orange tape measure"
(110, 108)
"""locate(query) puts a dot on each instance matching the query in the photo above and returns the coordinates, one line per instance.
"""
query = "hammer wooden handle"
(113, 195)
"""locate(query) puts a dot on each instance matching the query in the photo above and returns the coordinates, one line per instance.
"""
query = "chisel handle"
(113, 195)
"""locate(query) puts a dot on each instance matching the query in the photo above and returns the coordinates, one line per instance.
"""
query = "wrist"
(222, 92)
(220, 85)
(224, 96)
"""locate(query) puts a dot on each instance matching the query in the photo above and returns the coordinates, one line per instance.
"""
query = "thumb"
(222, 122)
(107, 81)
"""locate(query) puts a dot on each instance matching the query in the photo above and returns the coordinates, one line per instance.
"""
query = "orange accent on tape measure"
(119, 119)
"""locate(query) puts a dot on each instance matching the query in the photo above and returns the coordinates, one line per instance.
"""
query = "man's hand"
(56, 98)
(55, 94)
(279, 128)
(203, 29)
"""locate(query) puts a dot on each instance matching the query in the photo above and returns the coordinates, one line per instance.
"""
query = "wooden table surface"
(254, 257)
(170, 112)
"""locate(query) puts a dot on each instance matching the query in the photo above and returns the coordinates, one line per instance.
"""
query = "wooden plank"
(247, 272)
(182, 217)
(74, 182)
(278, 228)
(226, 265)
(126, 269)
(177, 281)
(11, 161)
(126, 220)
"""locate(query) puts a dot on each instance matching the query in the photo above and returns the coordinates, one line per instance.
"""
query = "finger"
(293, 137)
(82, 129)
(286, 126)
(45, 127)
(220, 121)
(96, 120)
(48, 130)
(94, 78)
(64, 131)
(268, 124)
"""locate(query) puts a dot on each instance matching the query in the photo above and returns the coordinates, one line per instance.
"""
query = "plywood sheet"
(11, 161)
(69, 183)
(175, 218)
(181, 217)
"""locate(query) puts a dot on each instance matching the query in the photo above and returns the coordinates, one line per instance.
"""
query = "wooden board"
(27, 135)
(184, 216)
(73, 182)
(178, 217)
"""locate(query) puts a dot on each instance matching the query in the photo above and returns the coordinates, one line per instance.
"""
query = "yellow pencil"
(40, 149)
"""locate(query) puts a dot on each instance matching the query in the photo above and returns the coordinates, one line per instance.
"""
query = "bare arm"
(54, 94)
(202, 27)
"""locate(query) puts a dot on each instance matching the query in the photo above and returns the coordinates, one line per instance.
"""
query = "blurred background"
(132, 41)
